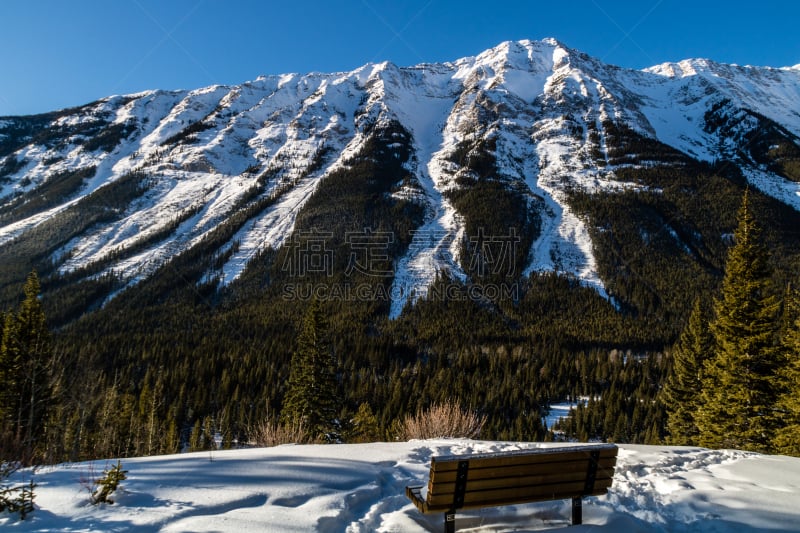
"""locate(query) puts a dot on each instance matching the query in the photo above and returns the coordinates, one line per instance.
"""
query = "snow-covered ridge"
(543, 105)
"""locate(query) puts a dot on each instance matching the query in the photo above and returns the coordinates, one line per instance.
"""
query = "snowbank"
(360, 488)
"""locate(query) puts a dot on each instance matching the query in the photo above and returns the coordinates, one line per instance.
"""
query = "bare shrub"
(270, 432)
(442, 420)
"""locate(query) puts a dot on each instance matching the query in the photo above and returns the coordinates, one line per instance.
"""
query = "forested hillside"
(177, 363)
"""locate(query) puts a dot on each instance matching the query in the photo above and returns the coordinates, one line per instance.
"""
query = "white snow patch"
(773, 185)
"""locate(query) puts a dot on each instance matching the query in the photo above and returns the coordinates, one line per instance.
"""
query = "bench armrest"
(415, 495)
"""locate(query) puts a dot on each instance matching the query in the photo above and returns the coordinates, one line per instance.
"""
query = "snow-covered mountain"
(124, 184)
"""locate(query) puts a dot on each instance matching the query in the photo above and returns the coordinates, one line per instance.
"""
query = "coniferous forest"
(697, 342)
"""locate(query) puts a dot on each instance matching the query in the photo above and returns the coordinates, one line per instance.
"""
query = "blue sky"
(55, 53)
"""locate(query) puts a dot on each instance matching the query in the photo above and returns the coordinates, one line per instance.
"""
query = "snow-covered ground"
(360, 488)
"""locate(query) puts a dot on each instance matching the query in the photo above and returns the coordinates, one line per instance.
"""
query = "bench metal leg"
(577, 511)
(450, 522)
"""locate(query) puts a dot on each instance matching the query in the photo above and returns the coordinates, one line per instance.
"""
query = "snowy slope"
(360, 488)
(546, 108)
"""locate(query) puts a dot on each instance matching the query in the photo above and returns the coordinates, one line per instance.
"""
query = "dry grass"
(270, 432)
(442, 420)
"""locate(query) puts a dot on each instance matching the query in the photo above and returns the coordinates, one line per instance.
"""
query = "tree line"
(734, 380)
(166, 383)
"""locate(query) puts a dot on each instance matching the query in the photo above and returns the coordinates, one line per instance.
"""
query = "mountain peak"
(536, 116)
(535, 57)
(527, 50)
(683, 68)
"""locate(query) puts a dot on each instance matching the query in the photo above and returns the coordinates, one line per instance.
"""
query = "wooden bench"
(507, 478)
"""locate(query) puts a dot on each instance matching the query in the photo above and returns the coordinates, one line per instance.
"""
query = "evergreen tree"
(150, 400)
(25, 356)
(196, 437)
(113, 419)
(681, 394)
(9, 378)
(172, 440)
(740, 385)
(364, 425)
(312, 397)
(787, 438)
(208, 434)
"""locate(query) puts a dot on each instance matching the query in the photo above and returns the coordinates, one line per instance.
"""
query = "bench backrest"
(483, 480)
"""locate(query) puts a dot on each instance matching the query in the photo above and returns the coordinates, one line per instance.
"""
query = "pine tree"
(172, 440)
(681, 394)
(196, 437)
(150, 403)
(10, 376)
(312, 397)
(739, 389)
(364, 425)
(787, 438)
(209, 443)
(25, 381)
(108, 484)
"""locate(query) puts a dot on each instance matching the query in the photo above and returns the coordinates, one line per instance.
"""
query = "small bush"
(270, 432)
(15, 499)
(442, 420)
(108, 484)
